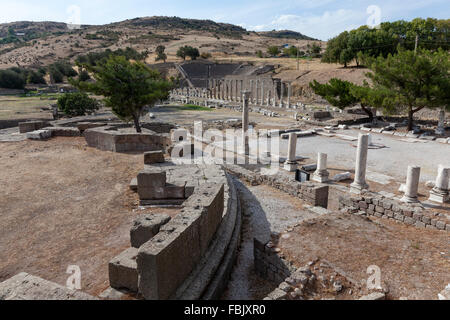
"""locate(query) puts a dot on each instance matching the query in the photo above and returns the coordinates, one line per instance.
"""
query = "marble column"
(322, 175)
(412, 185)
(441, 124)
(245, 122)
(274, 101)
(262, 92)
(440, 192)
(268, 98)
(289, 95)
(281, 94)
(236, 90)
(360, 183)
(291, 162)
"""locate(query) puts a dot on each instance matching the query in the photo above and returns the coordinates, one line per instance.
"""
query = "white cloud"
(323, 27)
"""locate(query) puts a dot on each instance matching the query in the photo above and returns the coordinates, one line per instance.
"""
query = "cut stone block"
(145, 227)
(64, 131)
(25, 127)
(27, 287)
(123, 271)
(149, 178)
(153, 157)
(39, 135)
(374, 296)
(134, 184)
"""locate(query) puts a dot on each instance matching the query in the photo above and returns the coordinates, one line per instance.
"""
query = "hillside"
(35, 44)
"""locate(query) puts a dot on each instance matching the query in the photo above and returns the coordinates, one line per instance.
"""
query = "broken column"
(291, 162)
(360, 183)
(322, 175)
(441, 124)
(245, 138)
(412, 185)
(440, 193)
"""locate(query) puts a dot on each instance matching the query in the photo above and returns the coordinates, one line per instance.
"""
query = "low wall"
(169, 265)
(269, 265)
(411, 214)
(125, 140)
(315, 194)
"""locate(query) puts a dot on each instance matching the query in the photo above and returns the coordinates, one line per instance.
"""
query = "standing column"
(251, 92)
(412, 185)
(281, 94)
(322, 175)
(291, 162)
(268, 98)
(262, 92)
(360, 183)
(289, 95)
(441, 124)
(245, 108)
(274, 94)
(440, 192)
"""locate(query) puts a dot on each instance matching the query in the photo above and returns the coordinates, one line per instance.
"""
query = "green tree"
(160, 54)
(84, 76)
(343, 94)
(127, 87)
(188, 51)
(413, 81)
(10, 79)
(77, 104)
(35, 78)
(273, 51)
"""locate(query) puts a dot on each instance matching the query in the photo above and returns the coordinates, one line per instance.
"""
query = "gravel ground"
(266, 210)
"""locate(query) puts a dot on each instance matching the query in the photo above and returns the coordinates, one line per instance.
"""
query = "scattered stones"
(39, 135)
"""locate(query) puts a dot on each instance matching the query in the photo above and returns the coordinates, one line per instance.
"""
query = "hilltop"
(35, 44)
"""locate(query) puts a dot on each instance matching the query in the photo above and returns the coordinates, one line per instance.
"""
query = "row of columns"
(440, 193)
(231, 89)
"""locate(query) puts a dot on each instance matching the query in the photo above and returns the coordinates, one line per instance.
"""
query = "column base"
(439, 196)
(407, 199)
(357, 188)
(321, 176)
(290, 166)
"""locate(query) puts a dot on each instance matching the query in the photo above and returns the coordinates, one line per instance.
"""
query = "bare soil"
(414, 263)
(61, 204)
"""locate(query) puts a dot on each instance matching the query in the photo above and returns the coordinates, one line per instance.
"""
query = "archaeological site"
(181, 165)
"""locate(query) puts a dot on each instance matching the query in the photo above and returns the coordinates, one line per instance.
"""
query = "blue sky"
(321, 19)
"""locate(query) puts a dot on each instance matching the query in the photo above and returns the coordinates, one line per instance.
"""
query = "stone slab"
(145, 227)
(27, 287)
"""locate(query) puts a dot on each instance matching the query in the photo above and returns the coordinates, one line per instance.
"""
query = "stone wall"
(125, 140)
(315, 194)
(372, 204)
(269, 265)
(166, 261)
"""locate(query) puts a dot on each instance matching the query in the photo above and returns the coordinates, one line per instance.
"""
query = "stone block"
(27, 287)
(440, 225)
(374, 296)
(426, 219)
(64, 131)
(151, 178)
(25, 127)
(123, 271)
(39, 135)
(145, 227)
(153, 157)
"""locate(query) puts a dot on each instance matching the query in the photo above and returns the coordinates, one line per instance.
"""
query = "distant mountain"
(286, 34)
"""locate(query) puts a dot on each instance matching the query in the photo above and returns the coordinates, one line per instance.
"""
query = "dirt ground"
(61, 204)
(414, 263)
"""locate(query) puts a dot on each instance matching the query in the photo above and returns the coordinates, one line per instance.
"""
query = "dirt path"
(266, 210)
(63, 204)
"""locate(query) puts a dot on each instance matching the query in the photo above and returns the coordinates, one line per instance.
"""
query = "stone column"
(322, 175)
(251, 92)
(441, 124)
(412, 185)
(291, 162)
(289, 95)
(245, 115)
(440, 192)
(281, 94)
(268, 98)
(274, 94)
(360, 183)
(236, 90)
(262, 92)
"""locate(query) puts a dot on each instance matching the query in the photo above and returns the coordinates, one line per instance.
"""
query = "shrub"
(77, 104)
(35, 78)
(11, 80)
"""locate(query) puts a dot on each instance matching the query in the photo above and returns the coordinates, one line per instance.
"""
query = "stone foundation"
(372, 204)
